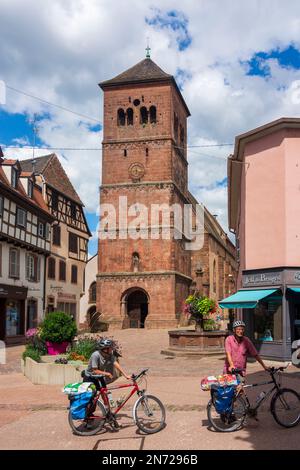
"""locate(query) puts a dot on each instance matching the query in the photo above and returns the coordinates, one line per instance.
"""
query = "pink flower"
(31, 332)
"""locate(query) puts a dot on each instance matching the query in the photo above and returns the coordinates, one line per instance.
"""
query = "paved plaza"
(35, 416)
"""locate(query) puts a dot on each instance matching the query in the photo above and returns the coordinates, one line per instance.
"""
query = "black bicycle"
(285, 404)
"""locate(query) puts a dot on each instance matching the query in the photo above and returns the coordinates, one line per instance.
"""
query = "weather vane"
(148, 49)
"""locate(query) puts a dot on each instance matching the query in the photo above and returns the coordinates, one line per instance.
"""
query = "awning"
(295, 289)
(246, 298)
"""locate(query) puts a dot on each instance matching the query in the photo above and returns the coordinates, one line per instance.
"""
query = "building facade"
(264, 210)
(70, 234)
(143, 281)
(25, 233)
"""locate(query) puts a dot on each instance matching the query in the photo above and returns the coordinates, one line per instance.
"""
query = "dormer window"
(14, 177)
(30, 188)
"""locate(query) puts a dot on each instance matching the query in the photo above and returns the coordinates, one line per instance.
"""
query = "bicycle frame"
(276, 386)
(104, 390)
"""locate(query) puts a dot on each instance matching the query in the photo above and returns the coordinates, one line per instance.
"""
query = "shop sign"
(65, 296)
(262, 279)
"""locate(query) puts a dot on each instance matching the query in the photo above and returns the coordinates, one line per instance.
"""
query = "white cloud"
(61, 49)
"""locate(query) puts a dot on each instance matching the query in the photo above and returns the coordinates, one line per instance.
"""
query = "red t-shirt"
(239, 352)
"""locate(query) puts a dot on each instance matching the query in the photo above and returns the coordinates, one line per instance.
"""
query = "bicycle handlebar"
(136, 377)
(274, 370)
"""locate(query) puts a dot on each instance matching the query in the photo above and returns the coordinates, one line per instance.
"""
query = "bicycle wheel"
(90, 425)
(285, 407)
(149, 414)
(227, 422)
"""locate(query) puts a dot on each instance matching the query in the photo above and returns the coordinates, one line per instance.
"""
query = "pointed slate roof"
(145, 71)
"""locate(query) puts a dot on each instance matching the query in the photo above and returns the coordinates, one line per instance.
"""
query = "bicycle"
(285, 405)
(148, 411)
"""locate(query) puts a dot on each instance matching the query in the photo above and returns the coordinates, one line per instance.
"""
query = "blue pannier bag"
(79, 403)
(223, 399)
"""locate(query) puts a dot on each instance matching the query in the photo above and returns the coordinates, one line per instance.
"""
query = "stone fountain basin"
(190, 342)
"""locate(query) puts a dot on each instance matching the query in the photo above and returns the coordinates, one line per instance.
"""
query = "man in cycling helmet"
(238, 347)
(103, 362)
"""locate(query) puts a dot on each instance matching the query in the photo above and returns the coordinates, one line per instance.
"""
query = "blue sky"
(231, 81)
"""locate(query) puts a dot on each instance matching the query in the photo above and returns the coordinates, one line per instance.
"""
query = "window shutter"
(27, 267)
(38, 269)
(17, 263)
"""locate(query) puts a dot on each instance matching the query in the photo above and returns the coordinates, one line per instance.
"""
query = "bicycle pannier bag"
(223, 397)
(79, 403)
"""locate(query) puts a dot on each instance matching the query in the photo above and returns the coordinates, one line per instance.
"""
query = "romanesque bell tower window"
(152, 114)
(121, 117)
(143, 115)
(129, 117)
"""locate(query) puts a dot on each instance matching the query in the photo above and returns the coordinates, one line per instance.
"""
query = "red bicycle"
(148, 411)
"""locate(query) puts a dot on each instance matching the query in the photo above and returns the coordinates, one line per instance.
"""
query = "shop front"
(269, 303)
(12, 313)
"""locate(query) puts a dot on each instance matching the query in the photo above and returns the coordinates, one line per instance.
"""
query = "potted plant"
(58, 330)
(199, 309)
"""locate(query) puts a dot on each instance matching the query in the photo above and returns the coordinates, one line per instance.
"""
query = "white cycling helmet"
(237, 323)
(104, 343)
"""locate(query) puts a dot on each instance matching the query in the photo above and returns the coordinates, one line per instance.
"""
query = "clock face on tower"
(136, 171)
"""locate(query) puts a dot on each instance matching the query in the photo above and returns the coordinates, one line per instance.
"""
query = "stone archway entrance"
(135, 303)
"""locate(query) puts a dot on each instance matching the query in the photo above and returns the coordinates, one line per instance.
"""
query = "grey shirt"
(101, 362)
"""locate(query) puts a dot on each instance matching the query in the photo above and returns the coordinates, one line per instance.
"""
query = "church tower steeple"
(144, 158)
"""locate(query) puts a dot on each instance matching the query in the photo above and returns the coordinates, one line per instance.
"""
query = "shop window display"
(13, 318)
(268, 320)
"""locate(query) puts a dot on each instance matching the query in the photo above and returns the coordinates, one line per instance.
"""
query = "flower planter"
(56, 348)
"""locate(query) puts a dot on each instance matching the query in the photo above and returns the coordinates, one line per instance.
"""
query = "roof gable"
(54, 174)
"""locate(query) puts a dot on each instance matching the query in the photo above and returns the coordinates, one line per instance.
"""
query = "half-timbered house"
(25, 223)
(70, 235)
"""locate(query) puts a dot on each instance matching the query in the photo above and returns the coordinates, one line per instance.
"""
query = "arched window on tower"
(153, 114)
(129, 117)
(143, 115)
(121, 117)
(175, 127)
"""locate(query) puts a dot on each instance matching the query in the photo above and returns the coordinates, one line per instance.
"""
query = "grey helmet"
(237, 323)
(104, 343)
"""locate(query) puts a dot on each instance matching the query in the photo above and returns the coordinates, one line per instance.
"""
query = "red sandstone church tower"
(142, 282)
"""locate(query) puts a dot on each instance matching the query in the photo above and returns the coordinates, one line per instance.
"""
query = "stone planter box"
(190, 342)
(49, 373)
